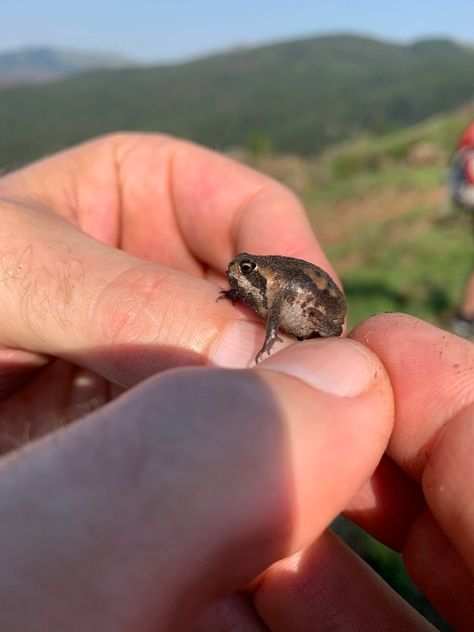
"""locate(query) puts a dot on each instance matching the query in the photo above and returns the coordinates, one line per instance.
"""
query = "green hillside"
(380, 207)
(299, 96)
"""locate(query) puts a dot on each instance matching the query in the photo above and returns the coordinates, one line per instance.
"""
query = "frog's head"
(246, 276)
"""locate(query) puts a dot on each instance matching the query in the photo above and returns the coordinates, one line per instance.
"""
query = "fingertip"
(336, 366)
(379, 323)
(431, 373)
(339, 410)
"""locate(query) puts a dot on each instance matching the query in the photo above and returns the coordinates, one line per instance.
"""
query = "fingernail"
(337, 366)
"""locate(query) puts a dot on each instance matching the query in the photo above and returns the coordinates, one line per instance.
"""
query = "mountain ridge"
(37, 64)
(298, 96)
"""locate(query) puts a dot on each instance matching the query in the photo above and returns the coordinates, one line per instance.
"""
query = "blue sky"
(172, 30)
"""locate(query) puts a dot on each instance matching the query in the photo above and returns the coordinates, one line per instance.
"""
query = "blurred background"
(357, 106)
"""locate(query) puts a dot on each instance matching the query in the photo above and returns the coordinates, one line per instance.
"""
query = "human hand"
(166, 216)
(185, 489)
(110, 523)
(419, 501)
(106, 474)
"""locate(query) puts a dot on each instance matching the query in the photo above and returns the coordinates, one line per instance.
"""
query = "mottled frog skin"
(292, 295)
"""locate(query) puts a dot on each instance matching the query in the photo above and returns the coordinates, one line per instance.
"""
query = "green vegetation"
(258, 145)
(414, 255)
(373, 153)
(412, 264)
(300, 95)
(421, 275)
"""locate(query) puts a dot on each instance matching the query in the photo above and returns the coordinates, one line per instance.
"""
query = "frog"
(292, 295)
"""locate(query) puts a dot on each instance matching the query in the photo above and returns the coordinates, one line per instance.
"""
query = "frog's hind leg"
(271, 329)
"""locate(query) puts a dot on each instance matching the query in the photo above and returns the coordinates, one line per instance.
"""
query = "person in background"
(461, 183)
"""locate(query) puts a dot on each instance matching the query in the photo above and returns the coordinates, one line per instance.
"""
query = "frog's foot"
(267, 345)
(336, 330)
(232, 294)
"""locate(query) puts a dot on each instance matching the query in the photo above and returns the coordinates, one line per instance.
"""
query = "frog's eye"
(247, 266)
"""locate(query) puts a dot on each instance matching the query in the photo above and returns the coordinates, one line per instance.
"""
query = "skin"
(156, 509)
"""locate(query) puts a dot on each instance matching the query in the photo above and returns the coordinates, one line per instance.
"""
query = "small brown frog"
(291, 294)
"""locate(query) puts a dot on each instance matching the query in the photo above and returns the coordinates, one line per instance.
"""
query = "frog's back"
(314, 305)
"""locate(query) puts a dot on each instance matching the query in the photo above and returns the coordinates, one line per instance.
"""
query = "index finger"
(224, 207)
(432, 375)
(170, 201)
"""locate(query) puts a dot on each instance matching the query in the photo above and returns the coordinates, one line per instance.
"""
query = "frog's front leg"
(231, 294)
(271, 328)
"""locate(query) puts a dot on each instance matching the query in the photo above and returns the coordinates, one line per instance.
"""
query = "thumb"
(67, 295)
(207, 476)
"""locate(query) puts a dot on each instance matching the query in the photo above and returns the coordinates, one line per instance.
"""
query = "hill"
(297, 96)
(379, 206)
(43, 64)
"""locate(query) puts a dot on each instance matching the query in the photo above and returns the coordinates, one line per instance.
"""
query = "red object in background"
(467, 138)
(469, 170)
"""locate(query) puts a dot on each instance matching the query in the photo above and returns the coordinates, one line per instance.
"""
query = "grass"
(399, 246)
(412, 264)
(370, 181)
